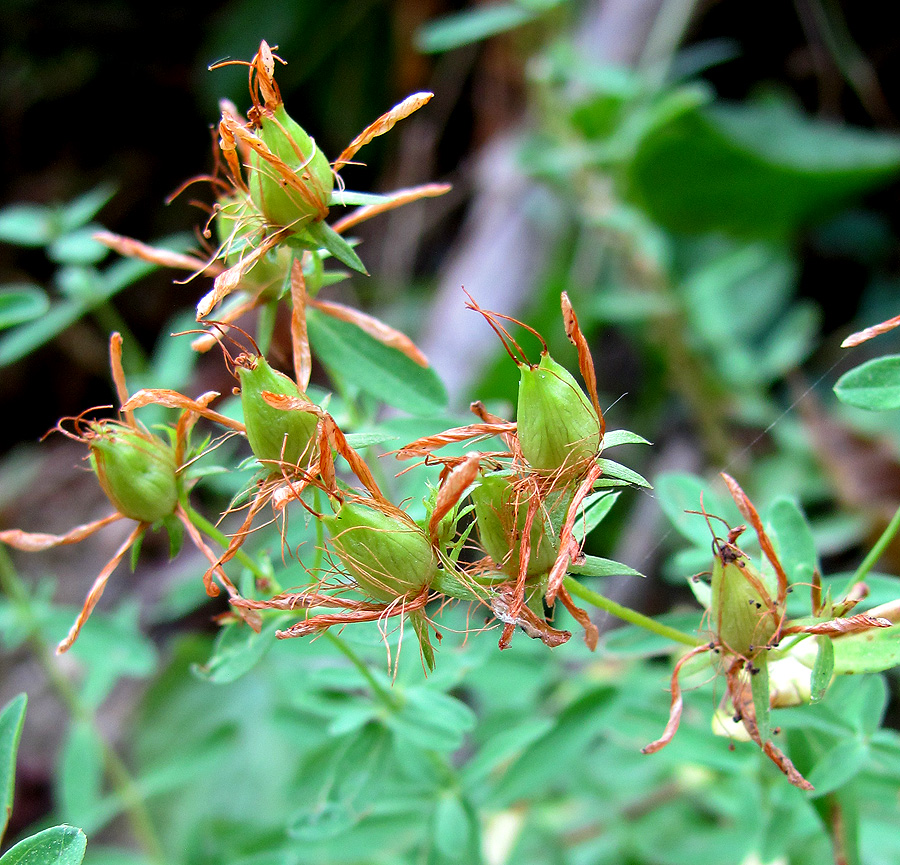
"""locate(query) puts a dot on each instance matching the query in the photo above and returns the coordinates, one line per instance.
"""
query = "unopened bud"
(558, 427)
(387, 554)
(136, 470)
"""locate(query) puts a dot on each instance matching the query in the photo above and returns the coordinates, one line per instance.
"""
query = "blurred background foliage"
(715, 185)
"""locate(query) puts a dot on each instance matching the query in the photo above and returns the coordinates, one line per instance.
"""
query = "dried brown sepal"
(394, 200)
(173, 399)
(96, 590)
(591, 633)
(452, 489)
(375, 328)
(299, 336)
(835, 627)
(421, 447)
(383, 124)
(230, 280)
(870, 332)
(677, 703)
(506, 607)
(164, 257)
(747, 508)
(742, 701)
(566, 535)
(585, 361)
(34, 542)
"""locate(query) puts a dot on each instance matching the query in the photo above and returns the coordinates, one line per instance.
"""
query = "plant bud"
(387, 554)
(275, 436)
(285, 200)
(136, 470)
(501, 521)
(557, 425)
(238, 227)
(738, 611)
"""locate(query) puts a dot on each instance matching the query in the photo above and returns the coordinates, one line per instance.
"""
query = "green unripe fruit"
(136, 470)
(557, 424)
(740, 614)
(283, 200)
(388, 555)
(239, 227)
(275, 435)
(501, 522)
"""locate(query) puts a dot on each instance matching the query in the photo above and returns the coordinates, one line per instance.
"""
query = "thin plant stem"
(875, 553)
(120, 777)
(382, 693)
(627, 614)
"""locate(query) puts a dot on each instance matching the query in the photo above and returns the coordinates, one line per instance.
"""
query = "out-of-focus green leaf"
(753, 170)
(81, 210)
(867, 652)
(680, 493)
(462, 28)
(26, 225)
(11, 720)
(238, 649)
(874, 385)
(78, 247)
(374, 367)
(431, 719)
(60, 845)
(21, 302)
(452, 828)
(79, 780)
(838, 766)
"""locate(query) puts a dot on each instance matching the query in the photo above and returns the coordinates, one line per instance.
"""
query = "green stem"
(119, 776)
(875, 553)
(627, 614)
(383, 694)
(212, 531)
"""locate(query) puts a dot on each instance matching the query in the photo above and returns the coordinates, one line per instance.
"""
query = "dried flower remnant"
(747, 623)
(141, 475)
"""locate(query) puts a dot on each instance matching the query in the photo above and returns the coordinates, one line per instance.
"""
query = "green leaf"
(823, 669)
(84, 208)
(452, 827)
(431, 719)
(462, 28)
(594, 566)
(324, 236)
(504, 747)
(759, 688)
(765, 168)
(348, 198)
(78, 247)
(867, 652)
(838, 766)
(238, 649)
(21, 302)
(79, 781)
(874, 385)
(679, 493)
(27, 225)
(615, 437)
(793, 539)
(595, 507)
(375, 368)
(618, 471)
(61, 845)
(11, 720)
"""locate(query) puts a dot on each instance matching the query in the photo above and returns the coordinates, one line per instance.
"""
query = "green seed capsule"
(501, 521)
(283, 201)
(275, 436)
(136, 470)
(388, 555)
(239, 227)
(557, 425)
(738, 611)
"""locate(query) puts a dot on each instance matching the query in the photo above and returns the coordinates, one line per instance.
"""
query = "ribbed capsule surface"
(500, 515)
(558, 427)
(275, 436)
(281, 200)
(740, 614)
(388, 555)
(136, 470)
